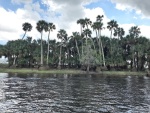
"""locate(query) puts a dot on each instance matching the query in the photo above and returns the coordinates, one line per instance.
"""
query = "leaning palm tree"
(49, 27)
(41, 26)
(62, 35)
(26, 27)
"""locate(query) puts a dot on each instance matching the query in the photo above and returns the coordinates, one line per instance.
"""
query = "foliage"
(79, 49)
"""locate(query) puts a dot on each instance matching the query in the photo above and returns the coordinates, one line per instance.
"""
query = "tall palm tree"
(75, 36)
(99, 18)
(87, 22)
(134, 32)
(98, 27)
(26, 27)
(49, 27)
(87, 33)
(41, 26)
(112, 25)
(62, 35)
(82, 24)
(119, 32)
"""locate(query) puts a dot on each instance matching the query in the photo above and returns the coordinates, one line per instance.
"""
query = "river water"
(33, 93)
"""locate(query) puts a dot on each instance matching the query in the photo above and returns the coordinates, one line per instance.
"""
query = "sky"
(65, 13)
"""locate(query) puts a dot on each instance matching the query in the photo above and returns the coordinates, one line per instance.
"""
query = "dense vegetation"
(80, 50)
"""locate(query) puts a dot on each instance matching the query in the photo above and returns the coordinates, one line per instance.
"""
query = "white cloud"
(11, 21)
(122, 7)
(145, 31)
(58, 13)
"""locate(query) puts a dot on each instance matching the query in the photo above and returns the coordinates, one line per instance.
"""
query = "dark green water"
(74, 94)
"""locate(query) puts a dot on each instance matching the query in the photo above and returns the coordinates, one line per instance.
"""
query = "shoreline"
(71, 71)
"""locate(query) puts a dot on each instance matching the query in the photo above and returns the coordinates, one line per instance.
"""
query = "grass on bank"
(52, 71)
(69, 71)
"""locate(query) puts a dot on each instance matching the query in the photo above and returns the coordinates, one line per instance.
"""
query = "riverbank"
(70, 71)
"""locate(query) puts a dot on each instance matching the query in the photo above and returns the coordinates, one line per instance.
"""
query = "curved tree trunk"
(24, 35)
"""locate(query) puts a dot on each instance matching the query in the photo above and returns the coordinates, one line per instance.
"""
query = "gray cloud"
(7, 29)
(143, 6)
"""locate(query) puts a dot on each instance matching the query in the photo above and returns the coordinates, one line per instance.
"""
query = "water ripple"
(74, 94)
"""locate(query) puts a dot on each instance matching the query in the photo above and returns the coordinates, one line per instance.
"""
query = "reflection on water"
(74, 94)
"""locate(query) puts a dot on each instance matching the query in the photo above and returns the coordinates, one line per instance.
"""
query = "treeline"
(80, 50)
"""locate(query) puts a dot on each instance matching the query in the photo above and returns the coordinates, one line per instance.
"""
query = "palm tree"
(41, 26)
(134, 32)
(119, 32)
(26, 27)
(87, 22)
(98, 26)
(82, 23)
(62, 35)
(112, 25)
(49, 27)
(75, 36)
(99, 18)
(87, 33)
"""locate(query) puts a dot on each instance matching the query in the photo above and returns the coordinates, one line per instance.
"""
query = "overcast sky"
(65, 13)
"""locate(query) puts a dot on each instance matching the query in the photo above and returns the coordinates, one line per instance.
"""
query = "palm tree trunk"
(48, 49)
(86, 40)
(88, 67)
(59, 64)
(41, 49)
(103, 57)
(82, 47)
(14, 62)
(111, 47)
(24, 35)
(81, 29)
(77, 48)
(82, 41)
(93, 43)
(99, 44)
